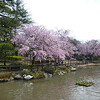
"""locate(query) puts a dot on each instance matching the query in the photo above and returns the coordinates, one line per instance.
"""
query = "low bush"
(14, 58)
(25, 71)
(62, 67)
(57, 70)
(67, 70)
(49, 70)
(38, 75)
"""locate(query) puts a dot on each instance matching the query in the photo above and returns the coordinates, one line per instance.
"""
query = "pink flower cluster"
(90, 48)
(43, 43)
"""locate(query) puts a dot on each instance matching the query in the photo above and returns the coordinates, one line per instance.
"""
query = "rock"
(18, 77)
(11, 78)
(60, 73)
(4, 80)
(47, 75)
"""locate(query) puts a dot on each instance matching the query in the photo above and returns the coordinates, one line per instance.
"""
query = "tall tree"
(43, 43)
(89, 49)
(19, 11)
(12, 12)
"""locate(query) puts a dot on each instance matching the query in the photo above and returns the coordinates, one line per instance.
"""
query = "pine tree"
(20, 13)
(12, 12)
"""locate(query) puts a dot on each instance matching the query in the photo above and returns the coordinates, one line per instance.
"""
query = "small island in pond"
(84, 83)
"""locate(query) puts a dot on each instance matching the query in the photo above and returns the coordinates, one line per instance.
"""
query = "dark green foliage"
(7, 26)
(20, 13)
(6, 49)
(37, 75)
(12, 12)
(49, 70)
(74, 41)
(26, 72)
(62, 67)
(41, 61)
(14, 58)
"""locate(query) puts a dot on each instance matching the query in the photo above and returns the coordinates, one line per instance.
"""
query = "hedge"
(14, 58)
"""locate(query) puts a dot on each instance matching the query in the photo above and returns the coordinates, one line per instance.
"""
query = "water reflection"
(56, 88)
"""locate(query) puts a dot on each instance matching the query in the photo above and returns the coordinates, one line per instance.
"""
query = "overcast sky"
(81, 17)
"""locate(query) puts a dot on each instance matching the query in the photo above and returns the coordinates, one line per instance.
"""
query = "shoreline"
(88, 64)
(59, 72)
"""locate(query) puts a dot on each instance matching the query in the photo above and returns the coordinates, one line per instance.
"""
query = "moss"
(84, 83)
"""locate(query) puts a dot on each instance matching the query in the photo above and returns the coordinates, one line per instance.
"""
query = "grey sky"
(82, 17)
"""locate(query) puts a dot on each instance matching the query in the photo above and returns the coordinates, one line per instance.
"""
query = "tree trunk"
(5, 59)
(33, 60)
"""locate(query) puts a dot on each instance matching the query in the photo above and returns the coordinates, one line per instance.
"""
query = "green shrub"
(37, 61)
(2, 69)
(67, 70)
(26, 71)
(57, 70)
(62, 67)
(48, 70)
(38, 75)
(14, 58)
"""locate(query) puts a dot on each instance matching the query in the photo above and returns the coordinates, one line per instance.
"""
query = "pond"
(56, 88)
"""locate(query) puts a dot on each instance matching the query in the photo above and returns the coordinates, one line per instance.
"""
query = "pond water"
(56, 88)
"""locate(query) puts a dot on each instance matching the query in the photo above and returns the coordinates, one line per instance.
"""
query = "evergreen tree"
(20, 13)
(6, 49)
(12, 12)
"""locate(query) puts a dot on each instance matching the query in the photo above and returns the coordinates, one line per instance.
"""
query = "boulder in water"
(18, 77)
